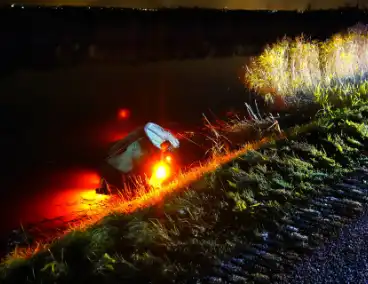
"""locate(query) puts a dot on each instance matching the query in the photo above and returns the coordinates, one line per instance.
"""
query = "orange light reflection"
(72, 193)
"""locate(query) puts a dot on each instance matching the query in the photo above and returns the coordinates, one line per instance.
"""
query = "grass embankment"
(188, 234)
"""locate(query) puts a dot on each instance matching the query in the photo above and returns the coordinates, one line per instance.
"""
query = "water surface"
(57, 124)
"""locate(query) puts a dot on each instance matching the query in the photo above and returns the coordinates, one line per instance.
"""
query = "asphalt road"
(343, 260)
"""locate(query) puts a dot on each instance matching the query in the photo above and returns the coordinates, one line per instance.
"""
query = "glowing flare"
(124, 113)
(161, 171)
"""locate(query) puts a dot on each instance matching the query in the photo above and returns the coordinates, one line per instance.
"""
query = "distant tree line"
(48, 37)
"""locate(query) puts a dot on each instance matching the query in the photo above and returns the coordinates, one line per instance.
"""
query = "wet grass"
(188, 233)
(301, 70)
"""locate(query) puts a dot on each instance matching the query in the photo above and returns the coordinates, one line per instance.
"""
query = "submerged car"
(146, 155)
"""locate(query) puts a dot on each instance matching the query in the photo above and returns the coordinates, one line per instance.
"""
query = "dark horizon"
(264, 5)
(164, 8)
(125, 35)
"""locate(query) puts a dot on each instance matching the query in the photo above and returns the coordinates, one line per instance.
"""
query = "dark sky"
(230, 4)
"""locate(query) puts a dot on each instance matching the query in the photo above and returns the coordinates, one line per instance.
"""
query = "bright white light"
(12, 5)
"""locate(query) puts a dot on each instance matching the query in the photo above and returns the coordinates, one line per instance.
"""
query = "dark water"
(55, 125)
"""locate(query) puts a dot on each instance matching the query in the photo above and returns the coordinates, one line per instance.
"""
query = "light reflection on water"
(67, 118)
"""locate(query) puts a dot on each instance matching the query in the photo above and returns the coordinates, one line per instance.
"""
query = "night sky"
(230, 4)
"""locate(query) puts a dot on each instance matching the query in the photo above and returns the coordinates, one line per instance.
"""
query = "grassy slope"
(188, 233)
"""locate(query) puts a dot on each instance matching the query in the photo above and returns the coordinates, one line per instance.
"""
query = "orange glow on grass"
(156, 194)
(118, 204)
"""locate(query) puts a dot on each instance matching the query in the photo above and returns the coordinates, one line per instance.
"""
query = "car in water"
(146, 156)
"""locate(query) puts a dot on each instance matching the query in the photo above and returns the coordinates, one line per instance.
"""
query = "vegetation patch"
(303, 70)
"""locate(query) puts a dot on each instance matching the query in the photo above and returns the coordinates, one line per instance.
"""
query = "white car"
(136, 155)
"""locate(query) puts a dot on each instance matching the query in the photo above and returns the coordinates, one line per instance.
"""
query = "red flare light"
(124, 113)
